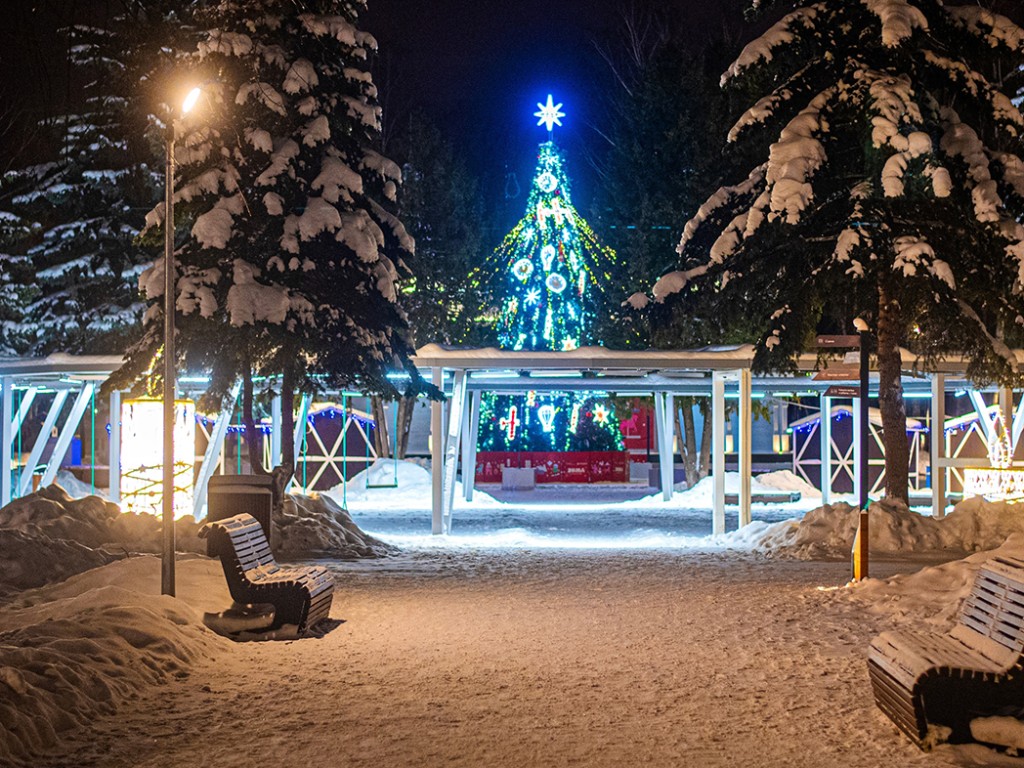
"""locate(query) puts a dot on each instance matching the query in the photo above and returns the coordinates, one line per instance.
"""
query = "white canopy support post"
(718, 452)
(984, 417)
(451, 451)
(26, 403)
(6, 438)
(825, 437)
(858, 447)
(67, 432)
(469, 446)
(938, 445)
(212, 455)
(436, 456)
(275, 431)
(745, 438)
(300, 435)
(665, 427)
(114, 448)
(34, 456)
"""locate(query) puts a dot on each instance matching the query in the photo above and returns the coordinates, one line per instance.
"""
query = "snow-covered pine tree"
(89, 204)
(889, 185)
(291, 257)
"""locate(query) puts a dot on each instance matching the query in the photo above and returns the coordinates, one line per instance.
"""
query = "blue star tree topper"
(550, 114)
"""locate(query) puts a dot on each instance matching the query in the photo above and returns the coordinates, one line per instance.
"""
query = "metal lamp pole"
(170, 383)
(863, 538)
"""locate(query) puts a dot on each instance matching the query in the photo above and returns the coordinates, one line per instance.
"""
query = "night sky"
(479, 67)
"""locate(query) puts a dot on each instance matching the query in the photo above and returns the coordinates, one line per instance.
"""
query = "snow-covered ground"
(527, 646)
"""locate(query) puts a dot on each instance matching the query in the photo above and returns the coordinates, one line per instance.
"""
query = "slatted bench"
(928, 682)
(301, 596)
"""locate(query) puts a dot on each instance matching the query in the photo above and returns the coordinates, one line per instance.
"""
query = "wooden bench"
(301, 596)
(928, 682)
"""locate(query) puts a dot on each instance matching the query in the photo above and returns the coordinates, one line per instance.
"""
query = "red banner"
(557, 466)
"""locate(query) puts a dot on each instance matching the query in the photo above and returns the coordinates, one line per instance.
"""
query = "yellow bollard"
(860, 548)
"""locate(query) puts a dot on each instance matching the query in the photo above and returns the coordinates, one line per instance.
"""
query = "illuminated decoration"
(1000, 481)
(550, 114)
(509, 424)
(555, 210)
(601, 414)
(555, 283)
(552, 306)
(547, 182)
(523, 269)
(547, 256)
(546, 414)
(142, 455)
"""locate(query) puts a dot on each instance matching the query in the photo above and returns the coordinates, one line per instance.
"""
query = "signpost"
(848, 372)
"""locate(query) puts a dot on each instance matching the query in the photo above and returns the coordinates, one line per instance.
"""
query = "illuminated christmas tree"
(555, 271)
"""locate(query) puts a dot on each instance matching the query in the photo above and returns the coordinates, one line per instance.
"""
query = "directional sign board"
(839, 342)
(838, 373)
(837, 390)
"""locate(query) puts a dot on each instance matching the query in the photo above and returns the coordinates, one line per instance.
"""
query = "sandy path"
(538, 659)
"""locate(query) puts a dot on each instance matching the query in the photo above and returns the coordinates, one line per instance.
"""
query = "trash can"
(230, 495)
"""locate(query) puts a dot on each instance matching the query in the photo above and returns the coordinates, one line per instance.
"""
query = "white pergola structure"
(465, 374)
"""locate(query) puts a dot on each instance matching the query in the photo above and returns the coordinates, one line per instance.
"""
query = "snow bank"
(312, 526)
(78, 650)
(828, 531)
(702, 494)
(397, 485)
(28, 561)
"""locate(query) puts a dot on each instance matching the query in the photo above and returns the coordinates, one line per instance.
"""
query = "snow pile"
(79, 650)
(397, 485)
(781, 481)
(28, 561)
(828, 531)
(310, 526)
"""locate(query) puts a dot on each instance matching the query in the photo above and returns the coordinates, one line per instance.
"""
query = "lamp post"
(167, 517)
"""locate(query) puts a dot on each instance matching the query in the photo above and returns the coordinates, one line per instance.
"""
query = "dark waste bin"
(230, 495)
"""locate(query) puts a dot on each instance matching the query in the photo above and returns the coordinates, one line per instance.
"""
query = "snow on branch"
(722, 197)
(899, 19)
(674, 282)
(781, 33)
(990, 27)
(225, 43)
(794, 159)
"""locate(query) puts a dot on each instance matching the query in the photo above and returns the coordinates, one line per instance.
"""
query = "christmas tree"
(554, 271)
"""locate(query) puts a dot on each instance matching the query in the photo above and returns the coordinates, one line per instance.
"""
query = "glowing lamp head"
(190, 100)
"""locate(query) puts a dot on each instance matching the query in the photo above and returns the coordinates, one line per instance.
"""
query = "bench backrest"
(995, 606)
(241, 537)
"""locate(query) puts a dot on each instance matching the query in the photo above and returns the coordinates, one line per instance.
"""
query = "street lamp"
(167, 562)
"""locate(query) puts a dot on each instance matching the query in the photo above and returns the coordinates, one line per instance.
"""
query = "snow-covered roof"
(86, 366)
(726, 358)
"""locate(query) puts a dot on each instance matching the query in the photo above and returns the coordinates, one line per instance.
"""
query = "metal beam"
(858, 446)
(938, 445)
(984, 417)
(299, 436)
(67, 432)
(436, 456)
(114, 449)
(457, 407)
(469, 446)
(23, 408)
(745, 440)
(275, 431)
(212, 455)
(825, 436)
(25, 484)
(6, 438)
(718, 452)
